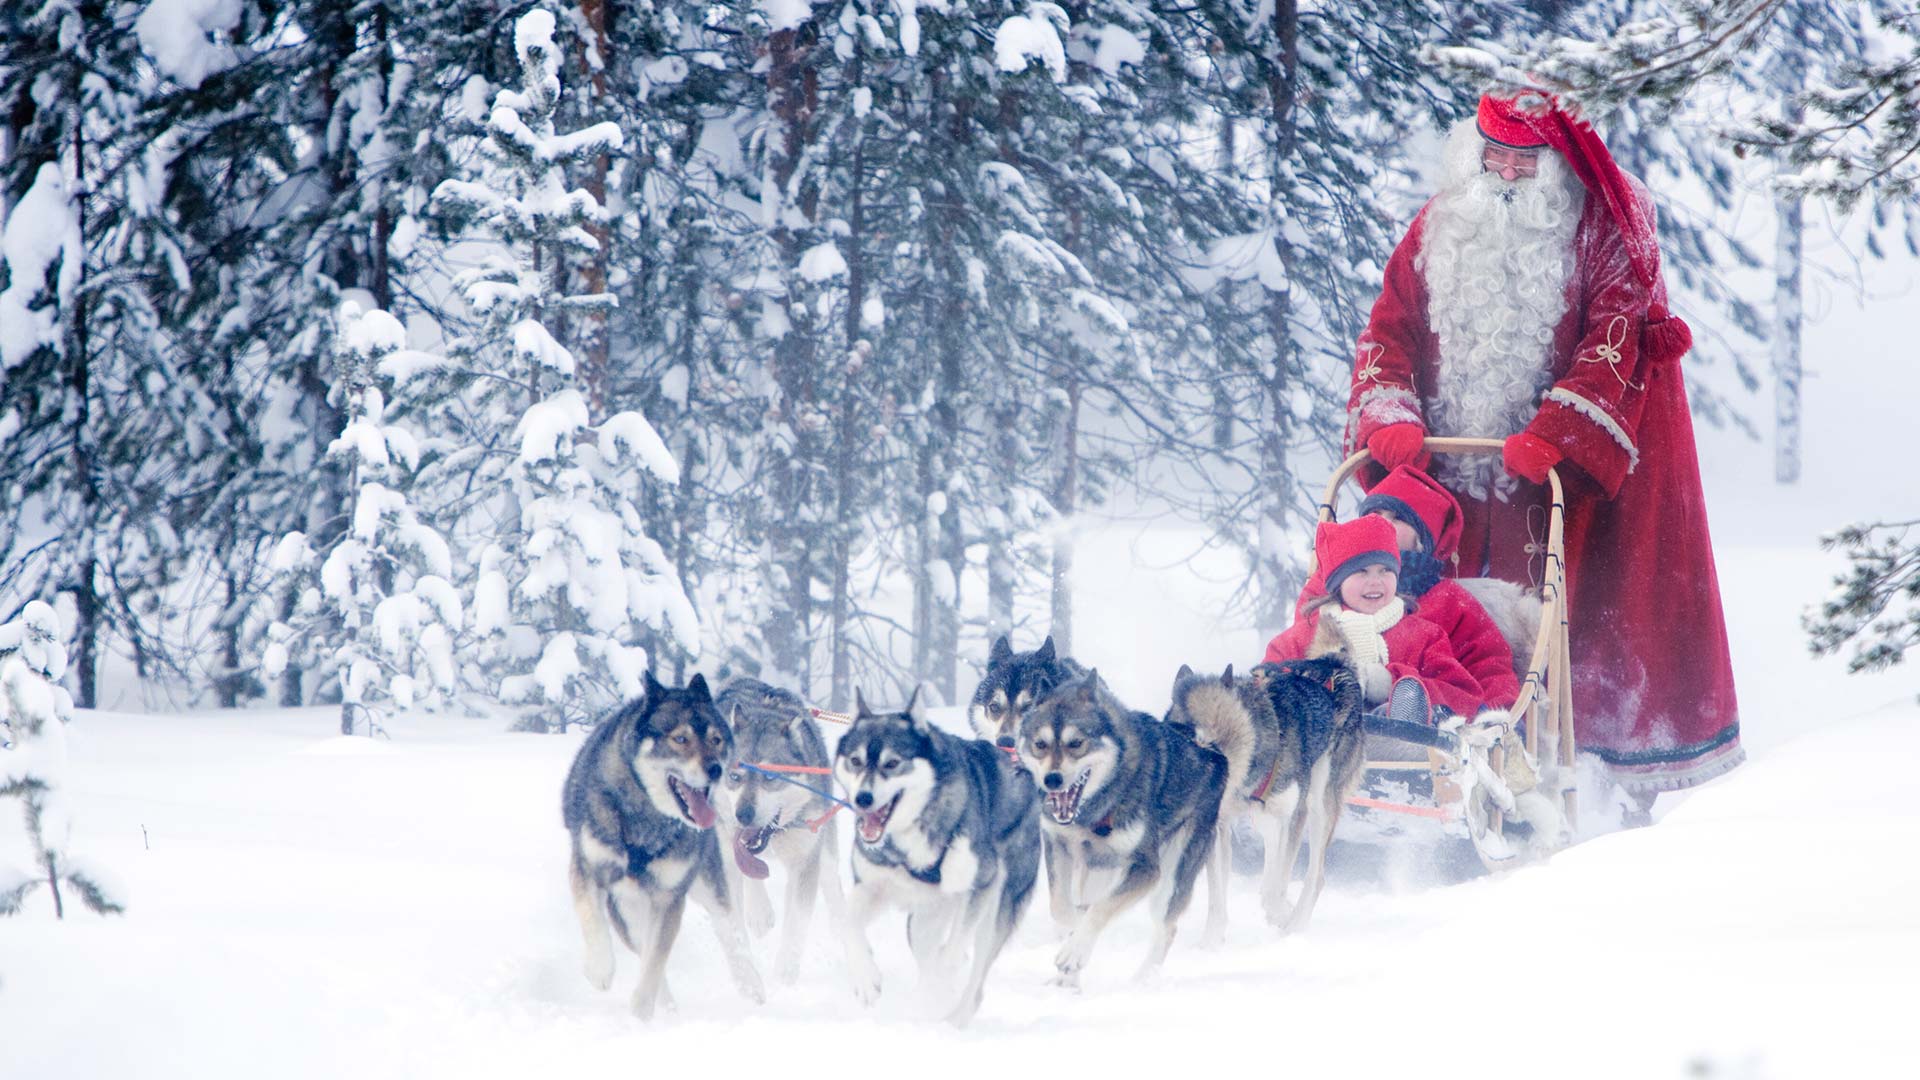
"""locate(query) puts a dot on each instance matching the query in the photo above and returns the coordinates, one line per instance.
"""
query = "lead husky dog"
(775, 817)
(1127, 791)
(1308, 748)
(1012, 684)
(638, 805)
(943, 827)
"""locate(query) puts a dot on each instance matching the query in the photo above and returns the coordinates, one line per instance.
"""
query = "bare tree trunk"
(86, 598)
(792, 92)
(1066, 492)
(590, 338)
(845, 421)
(1002, 573)
(1273, 575)
(1787, 313)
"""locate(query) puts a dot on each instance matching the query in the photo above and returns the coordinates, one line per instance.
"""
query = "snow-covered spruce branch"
(1877, 599)
(1659, 57)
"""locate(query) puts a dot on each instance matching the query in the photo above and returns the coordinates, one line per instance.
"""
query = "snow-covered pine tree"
(568, 582)
(96, 277)
(377, 608)
(1876, 603)
(34, 712)
(682, 346)
(312, 162)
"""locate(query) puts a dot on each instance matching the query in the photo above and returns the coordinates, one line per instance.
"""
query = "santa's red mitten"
(1529, 456)
(1399, 444)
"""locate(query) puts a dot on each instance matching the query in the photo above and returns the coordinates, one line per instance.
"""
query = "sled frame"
(1546, 692)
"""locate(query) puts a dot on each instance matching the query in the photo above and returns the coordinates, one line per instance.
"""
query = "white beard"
(1497, 257)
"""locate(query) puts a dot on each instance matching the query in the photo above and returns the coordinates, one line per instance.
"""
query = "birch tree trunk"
(1273, 575)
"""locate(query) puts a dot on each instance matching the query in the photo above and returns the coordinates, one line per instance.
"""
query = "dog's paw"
(1279, 912)
(963, 1013)
(866, 985)
(1214, 935)
(786, 971)
(750, 986)
(759, 911)
(1073, 955)
(598, 969)
(1064, 981)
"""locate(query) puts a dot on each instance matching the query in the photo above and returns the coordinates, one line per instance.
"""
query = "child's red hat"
(1346, 548)
(1422, 502)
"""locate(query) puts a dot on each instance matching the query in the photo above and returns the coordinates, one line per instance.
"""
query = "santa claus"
(1526, 303)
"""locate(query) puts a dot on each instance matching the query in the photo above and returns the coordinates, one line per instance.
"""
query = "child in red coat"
(1426, 518)
(1363, 612)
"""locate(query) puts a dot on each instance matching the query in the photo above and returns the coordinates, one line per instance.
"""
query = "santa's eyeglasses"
(1509, 163)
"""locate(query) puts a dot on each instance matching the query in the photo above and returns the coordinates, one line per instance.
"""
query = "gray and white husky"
(774, 816)
(1308, 751)
(1012, 684)
(944, 828)
(1125, 791)
(638, 804)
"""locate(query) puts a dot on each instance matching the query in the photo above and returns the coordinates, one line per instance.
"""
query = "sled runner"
(1506, 783)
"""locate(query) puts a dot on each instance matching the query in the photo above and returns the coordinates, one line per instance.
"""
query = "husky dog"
(638, 805)
(1307, 753)
(774, 817)
(1124, 790)
(1011, 685)
(943, 827)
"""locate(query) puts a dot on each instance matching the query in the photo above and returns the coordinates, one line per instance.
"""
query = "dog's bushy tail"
(1227, 728)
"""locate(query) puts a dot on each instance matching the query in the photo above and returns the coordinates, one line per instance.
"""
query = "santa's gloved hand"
(1399, 444)
(1529, 456)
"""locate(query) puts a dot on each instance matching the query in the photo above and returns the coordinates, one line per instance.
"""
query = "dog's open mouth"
(748, 844)
(873, 823)
(693, 802)
(1065, 805)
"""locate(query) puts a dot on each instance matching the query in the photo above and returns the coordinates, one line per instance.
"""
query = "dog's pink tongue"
(703, 812)
(750, 864)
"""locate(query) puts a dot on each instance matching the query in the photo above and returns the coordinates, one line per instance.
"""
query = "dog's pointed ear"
(1090, 686)
(651, 687)
(1000, 653)
(733, 716)
(1185, 672)
(798, 728)
(1044, 654)
(698, 687)
(916, 712)
(1226, 677)
(860, 704)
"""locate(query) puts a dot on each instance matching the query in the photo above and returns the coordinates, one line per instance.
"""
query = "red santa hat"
(1529, 119)
(1420, 501)
(1343, 549)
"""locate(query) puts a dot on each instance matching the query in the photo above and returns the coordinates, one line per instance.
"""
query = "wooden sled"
(1508, 787)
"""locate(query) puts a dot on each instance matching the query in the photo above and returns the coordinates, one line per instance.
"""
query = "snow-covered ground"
(312, 906)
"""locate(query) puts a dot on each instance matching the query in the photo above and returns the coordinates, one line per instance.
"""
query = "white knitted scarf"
(1366, 634)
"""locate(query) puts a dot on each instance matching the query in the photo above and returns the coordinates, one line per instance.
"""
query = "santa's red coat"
(1653, 684)
(1416, 649)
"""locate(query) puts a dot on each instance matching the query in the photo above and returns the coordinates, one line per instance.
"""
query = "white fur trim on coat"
(1599, 416)
(1384, 405)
